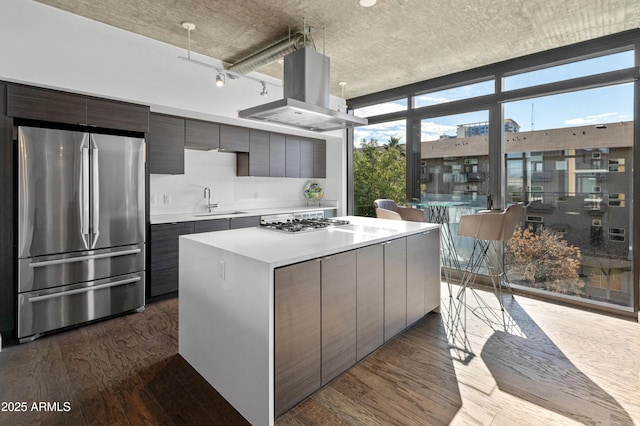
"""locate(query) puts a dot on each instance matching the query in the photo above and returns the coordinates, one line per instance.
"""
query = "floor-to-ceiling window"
(554, 131)
(379, 158)
(571, 165)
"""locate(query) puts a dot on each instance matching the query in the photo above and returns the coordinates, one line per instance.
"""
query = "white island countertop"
(278, 248)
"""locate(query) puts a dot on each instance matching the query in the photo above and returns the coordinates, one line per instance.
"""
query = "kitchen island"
(268, 317)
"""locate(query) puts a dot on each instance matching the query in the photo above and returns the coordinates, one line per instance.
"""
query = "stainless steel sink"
(220, 213)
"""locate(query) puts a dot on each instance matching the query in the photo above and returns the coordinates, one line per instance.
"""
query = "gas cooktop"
(301, 225)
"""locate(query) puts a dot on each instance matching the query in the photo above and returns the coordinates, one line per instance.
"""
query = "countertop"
(277, 248)
(225, 213)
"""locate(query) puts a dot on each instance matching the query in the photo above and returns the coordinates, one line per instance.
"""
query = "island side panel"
(226, 325)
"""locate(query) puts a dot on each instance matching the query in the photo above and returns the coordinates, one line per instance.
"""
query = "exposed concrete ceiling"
(393, 43)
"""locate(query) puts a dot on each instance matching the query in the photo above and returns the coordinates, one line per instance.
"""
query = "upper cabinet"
(292, 156)
(233, 138)
(60, 107)
(201, 135)
(277, 155)
(165, 144)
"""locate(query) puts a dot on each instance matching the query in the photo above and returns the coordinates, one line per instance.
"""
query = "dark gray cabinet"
(234, 139)
(292, 156)
(431, 260)
(201, 135)
(7, 218)
(338, 284)
(164, 257)
(117, 115)
(256, 161)
(277, 155)
(244, 222)
(210, 225)
(297, 333)
(61, 107)
(370, 299)
(259, 153)
(306, 158)
(165, 144)
(319, 159)
(416, 276)
(395, 287)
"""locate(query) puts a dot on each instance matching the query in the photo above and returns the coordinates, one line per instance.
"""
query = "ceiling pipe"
(271, 53)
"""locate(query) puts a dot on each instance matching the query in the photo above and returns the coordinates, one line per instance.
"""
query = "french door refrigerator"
(81, 224)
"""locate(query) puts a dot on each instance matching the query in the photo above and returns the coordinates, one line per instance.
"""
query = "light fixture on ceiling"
(367, 3)
(189, 26)
(264, 89)
(220, 79)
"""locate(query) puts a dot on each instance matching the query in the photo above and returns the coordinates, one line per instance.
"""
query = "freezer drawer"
(47, 310)
(42, 272)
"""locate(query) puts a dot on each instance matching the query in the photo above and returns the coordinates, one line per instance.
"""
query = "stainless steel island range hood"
(306, 97)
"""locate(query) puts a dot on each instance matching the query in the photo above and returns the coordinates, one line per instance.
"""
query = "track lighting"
(264, 89)
(220, 80)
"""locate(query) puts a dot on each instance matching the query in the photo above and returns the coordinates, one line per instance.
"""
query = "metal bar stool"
(489, 230)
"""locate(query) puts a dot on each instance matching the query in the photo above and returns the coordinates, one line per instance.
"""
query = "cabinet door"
(201, 135)
(210, 225)
(395, 287)
(370, 299)
(297, 333)
(338, 314)
(164, 256)
(46, 105)
(431, 259)
(277, 155)
(117, 115)
(306, 158)
(165, 144)
(416, 276)
(7, 256)
(244, 222)
(319, 159)
(258, 153)
(234, 139)
(292, 156)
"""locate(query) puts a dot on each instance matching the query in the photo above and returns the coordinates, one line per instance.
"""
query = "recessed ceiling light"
(367, 3)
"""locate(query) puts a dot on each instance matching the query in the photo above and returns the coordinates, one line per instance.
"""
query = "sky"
(587, 107)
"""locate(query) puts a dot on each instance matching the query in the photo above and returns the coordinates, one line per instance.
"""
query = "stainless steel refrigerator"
(81, 228)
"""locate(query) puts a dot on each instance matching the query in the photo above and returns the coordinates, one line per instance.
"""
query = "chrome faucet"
(207, 197)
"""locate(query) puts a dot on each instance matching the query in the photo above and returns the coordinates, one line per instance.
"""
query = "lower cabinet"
(431, 261)
(338, 283)
(164, 248)
(395, 287)
(331, 312)
(416, 276)
(370, 299)
(297, 333)
(163, 277)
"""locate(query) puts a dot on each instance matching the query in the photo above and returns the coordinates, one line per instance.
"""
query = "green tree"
(378, 173)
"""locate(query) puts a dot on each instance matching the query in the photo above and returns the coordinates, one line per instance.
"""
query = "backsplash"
(217, 170)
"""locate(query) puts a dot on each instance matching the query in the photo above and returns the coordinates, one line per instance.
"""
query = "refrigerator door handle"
(95, 194)
(82, 258)
(84, 192)
(83, 290)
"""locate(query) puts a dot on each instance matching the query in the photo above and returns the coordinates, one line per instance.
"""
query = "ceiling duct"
(271, 53)
(306, 96)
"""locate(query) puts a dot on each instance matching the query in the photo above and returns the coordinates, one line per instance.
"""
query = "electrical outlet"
(167, 199)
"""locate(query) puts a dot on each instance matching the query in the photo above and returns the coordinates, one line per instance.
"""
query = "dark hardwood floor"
(538, 364)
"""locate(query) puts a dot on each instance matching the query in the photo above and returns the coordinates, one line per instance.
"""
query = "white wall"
(47, 47)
